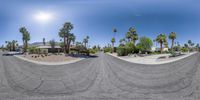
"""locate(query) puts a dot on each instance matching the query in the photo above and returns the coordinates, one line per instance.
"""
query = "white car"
(11, 53)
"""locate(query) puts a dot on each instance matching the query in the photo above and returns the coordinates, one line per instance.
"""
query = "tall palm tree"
(161, 39)
(9, 45)
(113, 41)
(25, 37)
(71, 38)
(64, 33)
(43, 40)
(115, 31)
(134, 34)
(14, 42)
(128, 36)
(53, 44)
(172, 36)
(86, 40)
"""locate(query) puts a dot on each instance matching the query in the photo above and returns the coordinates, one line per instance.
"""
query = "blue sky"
(97, 19)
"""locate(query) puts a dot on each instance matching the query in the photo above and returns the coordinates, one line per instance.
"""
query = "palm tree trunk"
(64, 45)
(23, 46)
(172, 44)
(26, 45)
(68, 46)
(112, 47)
(161, 48)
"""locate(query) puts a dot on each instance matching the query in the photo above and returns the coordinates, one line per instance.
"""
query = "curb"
(157, 63)
(48, 63)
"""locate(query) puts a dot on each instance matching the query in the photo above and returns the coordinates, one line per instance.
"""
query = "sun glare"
(43, 17)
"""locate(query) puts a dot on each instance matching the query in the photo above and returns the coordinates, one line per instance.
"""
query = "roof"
(47, 47)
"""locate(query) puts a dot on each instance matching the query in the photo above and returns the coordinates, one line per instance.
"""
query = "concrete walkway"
(102, 78)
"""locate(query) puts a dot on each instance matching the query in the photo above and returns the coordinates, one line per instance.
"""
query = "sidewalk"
(153, 59)
(49, 63)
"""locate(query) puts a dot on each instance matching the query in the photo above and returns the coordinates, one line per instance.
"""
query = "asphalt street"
(99, 78)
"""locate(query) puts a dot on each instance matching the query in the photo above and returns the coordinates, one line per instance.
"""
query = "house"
(153, 49)
(49, 49)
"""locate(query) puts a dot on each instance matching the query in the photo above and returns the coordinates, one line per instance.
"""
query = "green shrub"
(129, 48)
(93, 51)
(107, 49)
(183, 49)
(122, 51)
(32, 50)
(145, 44)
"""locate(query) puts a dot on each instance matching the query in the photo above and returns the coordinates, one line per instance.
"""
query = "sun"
(43, 17)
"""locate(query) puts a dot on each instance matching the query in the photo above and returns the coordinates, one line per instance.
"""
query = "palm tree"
(161, 39)
(71, 38)
(53, 44)
(14, 42)
(64, 33)
(86, 40)
(122, 41)
(134, 34)
(166, 44)
(25, 37)
(43, 40)
(172, 36)
(128, 36)
(9, 45)
(113, 41)
(115, 31)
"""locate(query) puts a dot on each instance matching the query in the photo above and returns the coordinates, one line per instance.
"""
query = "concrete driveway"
(102, 78)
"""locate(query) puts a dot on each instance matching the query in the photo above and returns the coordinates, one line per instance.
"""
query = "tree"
(44, 43)
(25, 37)
(161, 38)
(52, 43)
(14, 44)
(198, 47)
(134, 35)
(128, 36)
(122, 41)
(71, 38)
(166, 44)
(145, 44)
(9, 45)
(191, 44)
(114, 31)
(172, 36)
(113, 41)
(85, 41)
(80, 47)
(65, 34)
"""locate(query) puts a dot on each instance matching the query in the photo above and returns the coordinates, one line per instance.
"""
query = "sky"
(97, 18)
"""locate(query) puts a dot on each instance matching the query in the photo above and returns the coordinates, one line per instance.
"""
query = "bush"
(32, 50)
(122, 51)
(107, 49)
(93, 51)
(145, 44)
(129, 48)
(183, 49)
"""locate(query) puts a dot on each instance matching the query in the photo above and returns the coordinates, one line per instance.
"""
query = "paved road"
(101, 78)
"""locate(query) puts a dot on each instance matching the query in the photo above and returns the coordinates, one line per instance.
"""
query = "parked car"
(11, 53)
